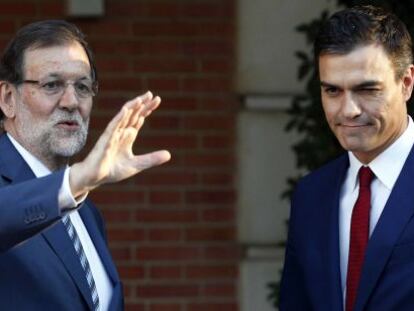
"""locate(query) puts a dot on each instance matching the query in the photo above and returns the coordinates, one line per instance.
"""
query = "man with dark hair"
(351, 230)
(53, 250)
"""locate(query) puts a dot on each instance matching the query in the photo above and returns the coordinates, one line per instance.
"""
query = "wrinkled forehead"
(64, 60)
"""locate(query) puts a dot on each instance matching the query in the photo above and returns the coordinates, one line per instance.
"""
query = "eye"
(331, 91)
(83, 88)
(369, 90)
(52, 86)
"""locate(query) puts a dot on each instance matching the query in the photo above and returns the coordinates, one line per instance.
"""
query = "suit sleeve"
(293, 294)
(27, 208)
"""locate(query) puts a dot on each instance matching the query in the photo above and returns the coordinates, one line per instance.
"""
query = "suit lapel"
(59, 240)
(396, 214)
(98, 241)
(332, 202)
(15, 169)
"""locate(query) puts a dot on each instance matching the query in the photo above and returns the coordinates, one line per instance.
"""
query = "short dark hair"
(365, 25)
(40, 34)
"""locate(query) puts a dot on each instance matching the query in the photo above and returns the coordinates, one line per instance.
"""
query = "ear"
(408, 82)
(7, 99)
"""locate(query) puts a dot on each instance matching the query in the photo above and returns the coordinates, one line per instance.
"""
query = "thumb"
(148, 160)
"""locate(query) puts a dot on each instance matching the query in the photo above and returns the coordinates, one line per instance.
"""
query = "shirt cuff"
(66, 200)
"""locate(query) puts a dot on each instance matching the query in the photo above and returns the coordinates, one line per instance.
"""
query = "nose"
(69, 100)
(350, 106)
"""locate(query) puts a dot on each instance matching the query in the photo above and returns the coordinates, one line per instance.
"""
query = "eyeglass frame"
(38, 83)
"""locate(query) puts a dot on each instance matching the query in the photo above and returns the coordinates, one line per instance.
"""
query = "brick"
(109, 28)
(135, 307)
(229, 252)
(117, 215)
(126, 235)
(20, 8)
(163, 8)
(168, 141)
(218, 142)
(207, 48)
(157, 235)
(208, 160)
(163, 84)
(112, 64)
(165, 197)
(203, 9)
(131, 272)
(52, 9)
(118, 197)
(116, 46)
(225, 103)
(164, 122)
(126, 9)
(212, 122)
(166, 272)
(168, 253)
(179, 178)
(207, 84)
(211, 272)
(7, 26)
(160, 65)
(210, 234)
(183, 29)
(217, 65)
(219, 215)
(179, 104)
(217, 178)
(121, 84)
(220, 290)
(166, 216)
(121, 253)
(166, 307)
(218, 196)
(166, 291)
(212, 306)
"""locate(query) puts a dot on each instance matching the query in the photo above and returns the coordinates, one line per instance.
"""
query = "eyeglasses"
(84, 88)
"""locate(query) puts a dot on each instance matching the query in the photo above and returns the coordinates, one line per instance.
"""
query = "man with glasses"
(53, 252)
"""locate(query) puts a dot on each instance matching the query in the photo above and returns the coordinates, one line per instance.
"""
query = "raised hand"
(112, 159)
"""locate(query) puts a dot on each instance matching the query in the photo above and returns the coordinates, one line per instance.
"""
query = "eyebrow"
(369, 83)
(60, 76)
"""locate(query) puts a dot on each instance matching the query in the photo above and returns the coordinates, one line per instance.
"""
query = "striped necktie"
(83, 260)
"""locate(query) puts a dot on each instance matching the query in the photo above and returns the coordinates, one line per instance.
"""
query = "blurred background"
(206, 231)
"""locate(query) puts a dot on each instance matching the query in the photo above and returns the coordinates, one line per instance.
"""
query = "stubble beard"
(50, 143)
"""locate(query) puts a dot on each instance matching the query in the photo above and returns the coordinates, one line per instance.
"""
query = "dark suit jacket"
(311, 275)
(39, 267)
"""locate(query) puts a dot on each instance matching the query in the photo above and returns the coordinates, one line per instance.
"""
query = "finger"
(149, 106)
(145, 161)
(140, 104)
(154, 105)
(126, 117)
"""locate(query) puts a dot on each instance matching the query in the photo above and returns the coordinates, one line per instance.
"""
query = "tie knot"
(365, 176)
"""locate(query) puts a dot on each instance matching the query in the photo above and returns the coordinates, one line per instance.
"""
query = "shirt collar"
(37, 167)
(388, 164)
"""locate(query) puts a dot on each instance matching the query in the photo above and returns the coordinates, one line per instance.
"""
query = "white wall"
(266, 80)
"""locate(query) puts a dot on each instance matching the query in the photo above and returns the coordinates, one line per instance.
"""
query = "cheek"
(35, 105)
(85, 109)
(330, 111)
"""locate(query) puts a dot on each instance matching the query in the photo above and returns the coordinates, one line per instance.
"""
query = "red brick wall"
(172, 229)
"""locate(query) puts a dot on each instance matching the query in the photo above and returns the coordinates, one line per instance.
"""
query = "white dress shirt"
(387, 167)
(67, 201)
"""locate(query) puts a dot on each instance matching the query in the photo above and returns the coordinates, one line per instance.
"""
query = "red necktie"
(359, 235)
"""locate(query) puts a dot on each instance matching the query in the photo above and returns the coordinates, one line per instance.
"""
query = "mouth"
(68, 125)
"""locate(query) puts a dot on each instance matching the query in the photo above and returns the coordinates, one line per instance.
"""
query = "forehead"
(369, 62)
(67, 60)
